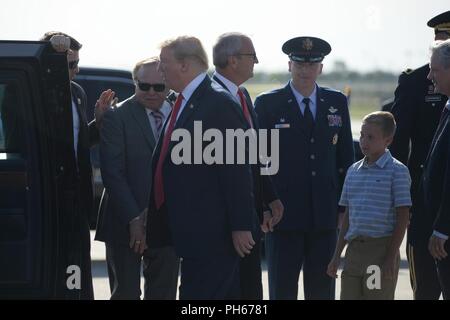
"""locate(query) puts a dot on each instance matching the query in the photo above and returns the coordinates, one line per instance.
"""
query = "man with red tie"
(234, 58)
(208, 207)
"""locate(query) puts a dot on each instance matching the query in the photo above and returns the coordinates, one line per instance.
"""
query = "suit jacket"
(312, 168)
(88, 136)
(126, 148)
(263, 189)
(204, 203)
(436, 181)
(417, 110)
(77, 240)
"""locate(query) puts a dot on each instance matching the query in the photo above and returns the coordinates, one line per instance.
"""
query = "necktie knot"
(306, 101)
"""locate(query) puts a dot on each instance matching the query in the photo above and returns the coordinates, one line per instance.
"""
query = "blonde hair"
(384, 120)
(145, 62)
(187, 47)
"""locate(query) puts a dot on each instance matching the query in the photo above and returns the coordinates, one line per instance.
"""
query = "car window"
(12, 139)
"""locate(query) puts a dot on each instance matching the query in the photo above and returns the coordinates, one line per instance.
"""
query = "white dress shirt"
(76, 128)
(312, 100)
(230, 86)
(189, 90)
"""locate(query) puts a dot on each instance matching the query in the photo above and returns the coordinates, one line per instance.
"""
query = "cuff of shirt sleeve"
(134, 219)
(440, 235)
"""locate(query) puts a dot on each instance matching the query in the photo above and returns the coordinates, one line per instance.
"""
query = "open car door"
(37, 169)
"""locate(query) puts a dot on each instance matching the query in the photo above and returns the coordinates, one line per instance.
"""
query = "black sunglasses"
(73, 64)
(158, 87)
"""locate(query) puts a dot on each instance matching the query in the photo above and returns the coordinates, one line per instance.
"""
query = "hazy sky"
(385, 34)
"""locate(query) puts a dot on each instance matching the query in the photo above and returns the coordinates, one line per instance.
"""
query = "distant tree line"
(339, 73)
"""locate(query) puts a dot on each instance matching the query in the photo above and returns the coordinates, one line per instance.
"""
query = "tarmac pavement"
(102, 292)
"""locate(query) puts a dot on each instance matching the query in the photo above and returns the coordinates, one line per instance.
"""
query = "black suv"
(37, 171)
(94, 81)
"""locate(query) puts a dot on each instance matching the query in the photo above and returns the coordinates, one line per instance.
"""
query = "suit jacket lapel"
(189, 108)
(440, 129)
(216, 79)
(241, 113)
(141, 117)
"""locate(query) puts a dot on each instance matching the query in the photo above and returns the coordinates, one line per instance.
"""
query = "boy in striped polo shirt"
(376, 195)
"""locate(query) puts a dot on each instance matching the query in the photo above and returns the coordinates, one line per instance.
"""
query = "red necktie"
(245, 108)
(158, 183)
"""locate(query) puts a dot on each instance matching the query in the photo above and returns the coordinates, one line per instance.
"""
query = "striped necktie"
(159, 119)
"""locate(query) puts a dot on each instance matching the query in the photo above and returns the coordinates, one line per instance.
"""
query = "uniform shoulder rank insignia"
(335, 139)
(333, 110)
(79, 101)
(408, 71)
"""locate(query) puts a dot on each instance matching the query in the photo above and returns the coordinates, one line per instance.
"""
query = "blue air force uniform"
(311, 173)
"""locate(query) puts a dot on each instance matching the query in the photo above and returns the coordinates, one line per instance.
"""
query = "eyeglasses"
(158, 87)
(73, 64)
(253, 55)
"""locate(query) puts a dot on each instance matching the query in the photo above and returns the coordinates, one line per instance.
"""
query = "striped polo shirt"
(372, 192)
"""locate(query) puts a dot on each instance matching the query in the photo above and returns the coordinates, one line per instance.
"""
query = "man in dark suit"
(316, 148)
(84, 137)
(209, 206)
(128, 138)
(436, 176)
(417, 109)
(234, 58)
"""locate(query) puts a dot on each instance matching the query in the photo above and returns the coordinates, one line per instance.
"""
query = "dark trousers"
(251, 275)
(422, 273)
(124, 271)
(288, 252)
(215, 277)
(160, 269)
(77, 241)
(443, 270)
(87, 288)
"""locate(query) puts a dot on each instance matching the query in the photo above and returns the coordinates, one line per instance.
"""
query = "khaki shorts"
(361, 277)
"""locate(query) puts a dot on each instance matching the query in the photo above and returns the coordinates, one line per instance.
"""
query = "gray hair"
(441, 50)
(145, 62)
(187, 47)
(227, 44)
